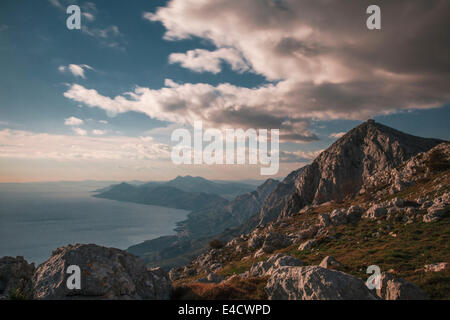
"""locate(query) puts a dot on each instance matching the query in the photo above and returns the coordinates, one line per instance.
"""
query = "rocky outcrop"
(330, 262)
(436, 267)
(392, 288)
(345, 169)
(211, 278)
(315, 283)
(106, 273)
(15, 278)
(266, 268)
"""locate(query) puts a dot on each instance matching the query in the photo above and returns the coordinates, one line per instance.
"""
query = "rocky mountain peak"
(344, 169)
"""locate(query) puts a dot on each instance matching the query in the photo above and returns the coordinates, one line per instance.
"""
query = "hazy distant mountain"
(189, 193)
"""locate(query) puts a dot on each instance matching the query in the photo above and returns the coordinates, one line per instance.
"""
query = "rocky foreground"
(106, 273)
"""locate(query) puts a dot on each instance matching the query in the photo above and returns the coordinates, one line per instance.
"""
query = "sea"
(36, 218)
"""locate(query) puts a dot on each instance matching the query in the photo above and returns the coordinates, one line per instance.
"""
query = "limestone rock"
(264, 268)
(376, 212)
(436, 267)
(307, 245)
(315, 283)
(212, 278)
(330, 262)
(15, 278)
(392, 288)
(106, 273)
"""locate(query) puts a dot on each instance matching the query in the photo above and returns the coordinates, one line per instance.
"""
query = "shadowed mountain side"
(200, 227)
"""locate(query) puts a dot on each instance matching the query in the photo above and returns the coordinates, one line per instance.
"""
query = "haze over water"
(36, 218)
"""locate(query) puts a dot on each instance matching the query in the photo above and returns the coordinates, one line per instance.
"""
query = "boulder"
(397, 202)
(106, 273)
(307, 245)
(324, 219)
(376, 212)
(265, 268)
(338, 217)
(315, 283)
(15, 278)
(275, 241)
(256, 241)
(393, 288)
(309, 232)
(211, 278)
(436, 267)
(330, 262)
(353, 214)
(435, 212)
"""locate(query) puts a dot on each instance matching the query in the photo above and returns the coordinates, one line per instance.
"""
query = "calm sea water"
(39, 217)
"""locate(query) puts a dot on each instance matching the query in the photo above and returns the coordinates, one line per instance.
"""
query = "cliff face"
(345, 169)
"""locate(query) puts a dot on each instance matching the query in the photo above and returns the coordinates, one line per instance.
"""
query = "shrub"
(216, 244)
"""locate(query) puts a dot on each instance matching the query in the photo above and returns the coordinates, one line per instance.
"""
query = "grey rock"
(435, 212)
(315, 283)
(106, 273)
(338, 217)
(307, 245)
(15, 278)
(354, 214)
(393, 288)
(256, 241)
(275, 241)
(330, 262)
(211, 278)
(436, 267)
(265, 268)
(376, 212)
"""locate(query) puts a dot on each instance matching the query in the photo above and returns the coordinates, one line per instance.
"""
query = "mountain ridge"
(344, 168)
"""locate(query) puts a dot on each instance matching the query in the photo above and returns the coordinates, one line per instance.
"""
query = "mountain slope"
(198, 229)
(345, 169)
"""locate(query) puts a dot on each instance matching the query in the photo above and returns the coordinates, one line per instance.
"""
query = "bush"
(216, 244)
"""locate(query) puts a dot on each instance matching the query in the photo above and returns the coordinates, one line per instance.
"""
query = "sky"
(101, 103)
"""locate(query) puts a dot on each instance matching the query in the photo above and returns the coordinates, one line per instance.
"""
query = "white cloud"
(89, 16)
(337, 135)
(80, 132)
(327, 63)
(103, 121)
(75, 69)
(98, 132)
(201, 60)
(73, 121)
(18, 144)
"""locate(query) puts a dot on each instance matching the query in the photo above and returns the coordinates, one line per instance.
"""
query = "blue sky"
(48, 70)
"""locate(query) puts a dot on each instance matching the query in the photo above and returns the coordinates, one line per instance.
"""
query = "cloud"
(337, 135)
(73, 121)
(328, 63)
(80, 132)
(319, 59)
(109, 36)
(76, 70)
(17, 144)
(98, 132)
(89, 16)
(223, 106)
(298, 156)
(200, 60)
